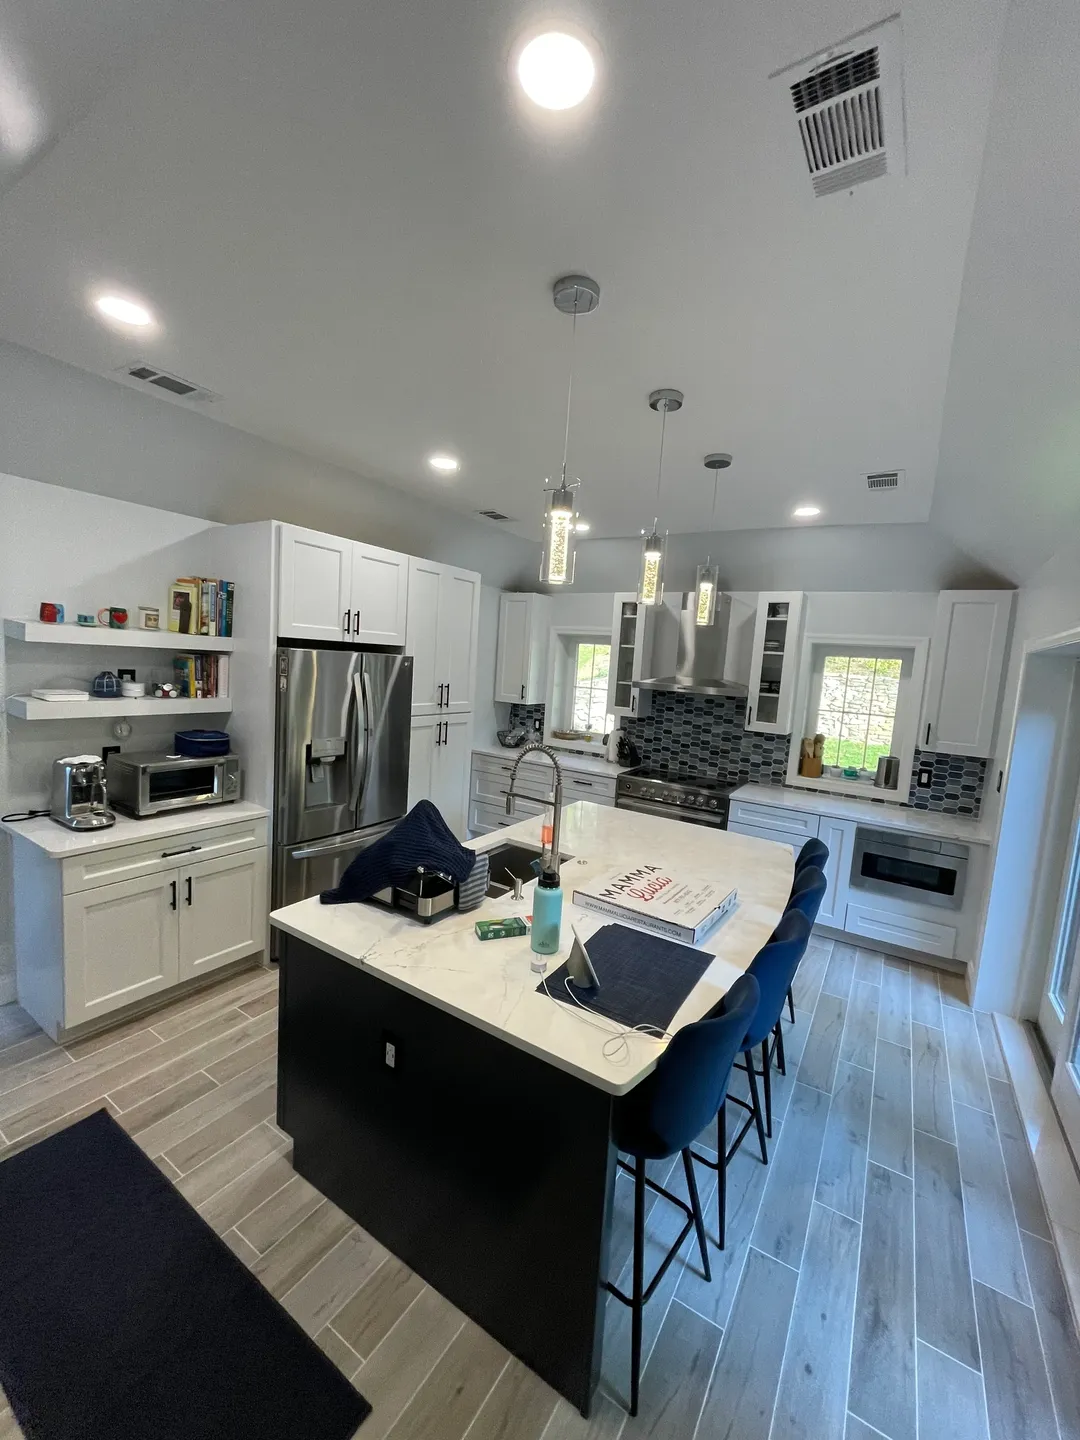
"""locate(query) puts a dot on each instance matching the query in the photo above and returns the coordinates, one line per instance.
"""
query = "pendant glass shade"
(708, 583)
(560, 518)
(651, 581)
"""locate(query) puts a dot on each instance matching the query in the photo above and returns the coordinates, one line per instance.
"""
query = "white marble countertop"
(884, 815)
(490, 983)
(582, 764)
(60, 842)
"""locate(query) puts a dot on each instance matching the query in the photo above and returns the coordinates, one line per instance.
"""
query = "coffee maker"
(80, 797)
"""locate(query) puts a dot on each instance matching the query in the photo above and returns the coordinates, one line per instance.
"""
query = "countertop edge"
(70, 843)
(887, 814)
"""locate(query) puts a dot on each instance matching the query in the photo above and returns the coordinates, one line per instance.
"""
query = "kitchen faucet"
(556, 796)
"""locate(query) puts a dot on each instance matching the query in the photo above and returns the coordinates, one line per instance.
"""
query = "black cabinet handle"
(448, 692)
(172, 887)
(587, 783)
(749, 714)
(1001, 776)
(356, 627)
(523, 692)
(184, 850)
(927, 740)
(189, 889)
(446, 732)
(345, 622)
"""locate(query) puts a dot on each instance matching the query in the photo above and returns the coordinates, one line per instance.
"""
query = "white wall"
(68, 427)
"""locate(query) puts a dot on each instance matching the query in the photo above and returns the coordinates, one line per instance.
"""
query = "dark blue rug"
(124, 1317)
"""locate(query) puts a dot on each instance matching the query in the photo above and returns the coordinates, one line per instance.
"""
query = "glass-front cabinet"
(631, 654)
(775, 661)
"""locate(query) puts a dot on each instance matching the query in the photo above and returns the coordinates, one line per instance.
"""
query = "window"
(857, 707)
(589, 692)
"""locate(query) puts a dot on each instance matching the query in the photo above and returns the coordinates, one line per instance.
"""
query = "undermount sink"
(510, 862)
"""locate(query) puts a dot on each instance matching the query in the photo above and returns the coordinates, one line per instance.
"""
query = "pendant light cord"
(660, 467)
(569, 389)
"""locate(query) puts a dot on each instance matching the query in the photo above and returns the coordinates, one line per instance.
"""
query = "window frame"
(563, 641)
(913, 649)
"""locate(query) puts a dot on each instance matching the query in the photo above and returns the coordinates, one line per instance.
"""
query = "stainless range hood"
(702, 650)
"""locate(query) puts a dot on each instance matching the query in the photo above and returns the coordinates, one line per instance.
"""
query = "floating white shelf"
(25, 707)
(37, 632)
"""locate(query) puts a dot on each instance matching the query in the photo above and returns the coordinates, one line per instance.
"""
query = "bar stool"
(659, 1118)
(815, 853)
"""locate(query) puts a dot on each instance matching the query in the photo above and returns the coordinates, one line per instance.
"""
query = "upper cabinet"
(967, 657)
(632, 628)
(774, 662)
(521, 652)
(330, 588)
(444, 613)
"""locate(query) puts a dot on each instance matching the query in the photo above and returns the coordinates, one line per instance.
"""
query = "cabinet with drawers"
(490, 782)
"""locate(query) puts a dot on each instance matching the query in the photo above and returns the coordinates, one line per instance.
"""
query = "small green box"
(501, 929)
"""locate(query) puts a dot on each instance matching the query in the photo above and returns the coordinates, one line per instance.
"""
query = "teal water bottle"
(547, 913)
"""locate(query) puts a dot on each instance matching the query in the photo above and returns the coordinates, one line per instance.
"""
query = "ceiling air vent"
(884, 480)
(493, 515)
(849, 110)
(162, 380)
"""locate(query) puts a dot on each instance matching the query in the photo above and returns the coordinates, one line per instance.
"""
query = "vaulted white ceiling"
(348, 221)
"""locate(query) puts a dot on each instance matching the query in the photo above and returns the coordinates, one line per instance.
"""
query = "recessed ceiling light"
(582, 526)
(445, 464)
(556, 71)
(805, 512)
(128, 312)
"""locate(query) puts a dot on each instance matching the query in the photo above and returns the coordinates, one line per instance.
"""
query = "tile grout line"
(428, 1373)
(862, 1228)
(676, 1301)
(486, 1398)
(938, 1350)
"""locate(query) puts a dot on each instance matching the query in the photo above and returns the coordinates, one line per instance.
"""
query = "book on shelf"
(659, 898)
(202, 676)
(198, 606)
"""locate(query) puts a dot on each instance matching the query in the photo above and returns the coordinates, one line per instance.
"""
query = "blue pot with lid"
(201, 744)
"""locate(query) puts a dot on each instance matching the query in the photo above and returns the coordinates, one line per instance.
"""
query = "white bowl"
(132, 689)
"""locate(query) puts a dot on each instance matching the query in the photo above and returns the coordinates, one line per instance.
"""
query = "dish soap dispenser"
(547, 915)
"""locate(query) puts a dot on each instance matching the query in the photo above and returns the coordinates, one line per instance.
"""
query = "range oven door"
(717, 819)
(922, 870)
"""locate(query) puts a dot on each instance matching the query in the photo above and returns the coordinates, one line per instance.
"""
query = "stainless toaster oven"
(149, 782)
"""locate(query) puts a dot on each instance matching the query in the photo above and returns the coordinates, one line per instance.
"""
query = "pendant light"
(708, 577)
(573, 295)
(651, 579)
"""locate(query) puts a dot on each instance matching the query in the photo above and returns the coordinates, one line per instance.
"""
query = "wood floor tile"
(676, 1378)
(171, 1131)
(333, 1280)
(243, 1058)
(604, 1423)
(795, 1037)
(789, 1191)
(953, 990)
(931, 1091)
(858, 1430)
(882, 1389)
(991, 1048)
(1018, 1399)
(821, 1052)
(890, 1117)
(55, 1127)
(450, 1397)
(868, 966)
(287, 1262)
(256, 1146)
(166, 1102)
(812, 1397)
(806, 986)
(197, 1148)
(894, 1021)
(859, 1041)
(277, 1215)
(30, 1048)
(925, 996)
(1059, 1340)
(739, 1404)
(335, 1349)
(202, 1005)
(240, 1247)
(1019, 1166)
(394, 1373)
(262, 1004)
(16, 1025)
(842, 1173)
(233, 1034)
(951, 1399)
(519, 1406)
(944, 1309)
(246, 1192)
(997, 1258)
(23, 1073)
(367, 1318)
(840, 971)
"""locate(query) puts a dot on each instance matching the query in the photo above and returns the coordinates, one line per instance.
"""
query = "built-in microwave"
(149, 782)
(914, 867)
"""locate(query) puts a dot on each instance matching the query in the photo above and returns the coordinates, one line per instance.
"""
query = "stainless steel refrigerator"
(342, 761)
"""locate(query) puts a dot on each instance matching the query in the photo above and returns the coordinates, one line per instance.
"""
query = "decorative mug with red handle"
(115, 616)
(52, 614)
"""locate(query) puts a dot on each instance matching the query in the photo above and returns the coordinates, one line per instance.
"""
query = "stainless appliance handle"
(328, 847)
(716, 818)
(363, 727)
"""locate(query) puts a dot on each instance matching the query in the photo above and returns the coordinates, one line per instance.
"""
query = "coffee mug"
(87, 619)
(51, 614)
(115, 616)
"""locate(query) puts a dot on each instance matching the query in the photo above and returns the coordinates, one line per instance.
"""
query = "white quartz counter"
(59, 842)
(582, 764)
(490, 983)
(883, 815)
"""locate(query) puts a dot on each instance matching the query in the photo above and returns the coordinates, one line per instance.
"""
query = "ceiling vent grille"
(849, 111)
(163, 380)
(493, 515)
(884, 480)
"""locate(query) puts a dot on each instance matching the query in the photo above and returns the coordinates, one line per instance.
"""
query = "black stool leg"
(791, 1005)
(781, 1062)
(766, 1075)
(721, 1176)
(638, 1302)
(695, 1205)
(751, 1075)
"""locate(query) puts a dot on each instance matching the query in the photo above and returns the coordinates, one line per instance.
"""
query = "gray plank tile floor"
(877, 1281)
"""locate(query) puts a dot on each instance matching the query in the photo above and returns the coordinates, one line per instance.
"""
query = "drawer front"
(764, 832)
(491, 789)
(580, 785)
(483, 819)
(799, 824)
(149, 857)
(893, 929)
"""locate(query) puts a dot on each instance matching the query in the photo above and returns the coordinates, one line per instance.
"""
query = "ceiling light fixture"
(805, 512)
(556, 71)
(573, 295)
(651, 579)
(127, 312)
(445, 464)
(582, 527)
(708, 575)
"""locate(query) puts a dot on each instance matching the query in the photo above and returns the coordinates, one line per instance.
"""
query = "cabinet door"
(631, 654)
(223, 909)
(512, 648)
(380, 595)
(839, 836)
(426, 730)
(458, 624)
(450, 771)
(120, 944)
(967, 656)
(314, 585)
(422, 636)
(774, 664)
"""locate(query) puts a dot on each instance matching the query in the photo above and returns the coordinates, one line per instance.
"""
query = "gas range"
(676, 797)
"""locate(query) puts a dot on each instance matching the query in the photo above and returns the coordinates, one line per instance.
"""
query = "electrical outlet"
(107, 750)
(925, 777)
(391, 1054)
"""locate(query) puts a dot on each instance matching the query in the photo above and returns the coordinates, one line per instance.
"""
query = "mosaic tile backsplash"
(704, 735)
(526, 715)
(956, 787)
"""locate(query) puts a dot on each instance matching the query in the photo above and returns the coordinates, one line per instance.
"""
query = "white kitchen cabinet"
(439, 754)
(333, 589)
(839, 836)
(967, 659)
(892, 929)
(774, 662)
(632, 633)
(120, 944)
(795, 825)
(222, 908)
(441, 636)
(521, 649)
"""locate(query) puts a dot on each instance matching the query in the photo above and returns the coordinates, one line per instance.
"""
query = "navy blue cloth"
(672, 1106)
(815, 852)
(421, 838)
(774, 969)
(643, 978)
(124, 1317)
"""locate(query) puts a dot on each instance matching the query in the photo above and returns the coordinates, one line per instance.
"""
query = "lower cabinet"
(222, 908)
(439, 755)
(839, 836)
(491, 781)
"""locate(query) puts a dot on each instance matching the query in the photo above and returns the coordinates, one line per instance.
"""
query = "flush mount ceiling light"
(123, 310)
(582, 527)
(708, 575)
(805, 512)
(651, 578)
(556, 71)
(573, 295)
(445, 464)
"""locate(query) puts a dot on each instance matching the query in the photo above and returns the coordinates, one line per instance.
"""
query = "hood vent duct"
(702, 651)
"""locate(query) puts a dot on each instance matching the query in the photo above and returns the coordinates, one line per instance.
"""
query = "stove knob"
(713, 804)
(701, 799)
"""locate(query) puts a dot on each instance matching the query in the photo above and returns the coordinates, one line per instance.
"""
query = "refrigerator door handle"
(363, 728)
(328, 847)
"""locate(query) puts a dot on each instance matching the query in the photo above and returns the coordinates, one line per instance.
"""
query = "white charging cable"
(616, 1048)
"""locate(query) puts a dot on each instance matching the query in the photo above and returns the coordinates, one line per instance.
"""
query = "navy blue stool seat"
(660, 1118)
(815, 854)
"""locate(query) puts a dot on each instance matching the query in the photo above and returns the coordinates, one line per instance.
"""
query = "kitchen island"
(464, 1119)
